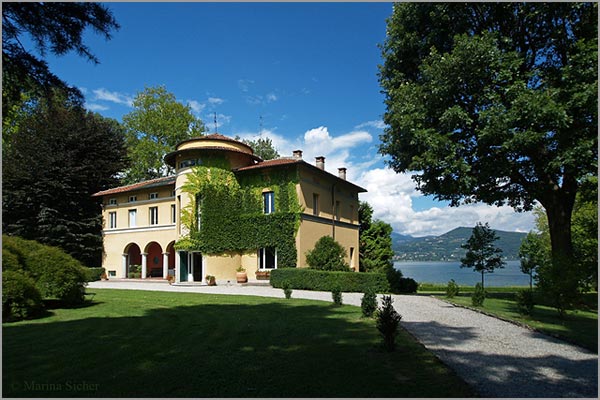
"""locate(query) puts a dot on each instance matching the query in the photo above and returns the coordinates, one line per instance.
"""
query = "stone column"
(144, 265)
(124, 265)
(165, 265)
(177, 266)
(190, 267)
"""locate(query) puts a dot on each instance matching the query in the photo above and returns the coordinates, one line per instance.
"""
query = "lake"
(442, 272)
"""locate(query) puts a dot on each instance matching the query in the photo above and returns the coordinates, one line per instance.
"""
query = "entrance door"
(183, 266)
(197, 269)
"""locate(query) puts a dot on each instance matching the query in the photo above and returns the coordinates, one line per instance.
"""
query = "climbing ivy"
(231, 209)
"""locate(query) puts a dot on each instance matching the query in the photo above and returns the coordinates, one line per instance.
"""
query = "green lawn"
(579, 326)
(155, 344)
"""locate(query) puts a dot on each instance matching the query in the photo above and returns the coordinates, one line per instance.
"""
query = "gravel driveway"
(497, 358)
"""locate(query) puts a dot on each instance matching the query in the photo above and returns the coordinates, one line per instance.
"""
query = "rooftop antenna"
(215, 122)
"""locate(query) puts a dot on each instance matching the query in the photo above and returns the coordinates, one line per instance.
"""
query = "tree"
(495, 103)
(375, 242)
(54, 27)
(327, 255)
(532, 256)
(263, 148)
(153, 128)
(60, 155)
(365, 216)
(481, 254)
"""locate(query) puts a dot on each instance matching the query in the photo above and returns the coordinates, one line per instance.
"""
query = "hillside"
(446, 247)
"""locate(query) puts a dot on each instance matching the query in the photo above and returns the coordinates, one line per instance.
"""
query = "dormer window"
(132, 199)
(112, 202)
(153, 196)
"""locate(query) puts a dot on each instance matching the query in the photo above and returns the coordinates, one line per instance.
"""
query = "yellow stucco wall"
(310, 232)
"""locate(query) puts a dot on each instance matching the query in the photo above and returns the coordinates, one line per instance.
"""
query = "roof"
(214, 136)
(278, 162)
(169, 158)
(164, 181)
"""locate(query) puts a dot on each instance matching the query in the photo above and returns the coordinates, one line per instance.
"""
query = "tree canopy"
(263, 147)
(52, 27)
(375, 242)
(481, 254)
(57, 158)
(155, 125)
(494, 103)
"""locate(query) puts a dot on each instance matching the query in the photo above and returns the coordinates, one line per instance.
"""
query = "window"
(337, 210)
(153, 196)
(132, 218)
(351, 257)
(173, 214)
(267, 258)
(190, 163)
(153, 215)
(315, 204)
(173, 193)
(132, 199)
(269, 202)
(112, 273)
(112, 220)
(112, 202)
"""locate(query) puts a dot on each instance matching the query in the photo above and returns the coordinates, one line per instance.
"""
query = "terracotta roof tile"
(270, 163)
(164, 181)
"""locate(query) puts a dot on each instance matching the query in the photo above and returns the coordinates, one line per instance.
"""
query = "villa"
(226, 208)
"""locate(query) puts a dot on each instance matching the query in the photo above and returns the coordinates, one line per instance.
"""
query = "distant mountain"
(446, 247)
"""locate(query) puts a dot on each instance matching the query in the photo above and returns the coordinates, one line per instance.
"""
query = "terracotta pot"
(241, 277)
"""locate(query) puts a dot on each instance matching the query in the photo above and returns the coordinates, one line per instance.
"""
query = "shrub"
(55, 273)
(310, 279)
(20, 298)
(327, 255)
(399, 284)
(388, 320)
(287, 290)
(93, 274)
(368, 303)
(336, 295)
(134, 275)
(525, 301)
(478, 295)
(452, 289)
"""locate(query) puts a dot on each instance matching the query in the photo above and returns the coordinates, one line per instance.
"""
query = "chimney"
(298, 154)
(320, 162)
(342, 173)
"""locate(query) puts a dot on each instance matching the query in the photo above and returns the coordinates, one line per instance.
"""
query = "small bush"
(368, 303)
(327, 255)
(525, 302)
(399, 284)
(336, 295)
(310, 279)
(452, 289)
(478, 296)
(93, 274)
(20, 298)
(287, 290)
(388, 320)
(134, 275)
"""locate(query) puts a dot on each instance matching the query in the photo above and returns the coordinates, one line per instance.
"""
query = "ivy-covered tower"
(230, 209)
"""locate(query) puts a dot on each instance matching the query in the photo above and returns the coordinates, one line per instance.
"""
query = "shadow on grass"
(269, 349)
(497, 375)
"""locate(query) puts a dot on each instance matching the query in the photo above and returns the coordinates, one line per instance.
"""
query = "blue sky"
(308, 69)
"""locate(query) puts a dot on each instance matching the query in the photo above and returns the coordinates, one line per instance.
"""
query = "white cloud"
(271, 97)
(196, 106)
(377, 124)
(215, 100)
(391, 196)
(244, 84)
(95, 107)
(114, 97)
(260, 99)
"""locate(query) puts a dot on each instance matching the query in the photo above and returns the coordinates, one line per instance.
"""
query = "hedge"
(93, 274)
(20, 298)
(310, 279)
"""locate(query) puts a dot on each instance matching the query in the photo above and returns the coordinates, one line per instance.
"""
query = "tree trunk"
(482, 279)
(558, 211)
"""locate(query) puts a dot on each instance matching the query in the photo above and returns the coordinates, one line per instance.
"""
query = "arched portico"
(153, 265)
(132, 255)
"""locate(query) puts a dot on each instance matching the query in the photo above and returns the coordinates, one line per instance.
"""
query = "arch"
(171, 257)
(133, 256)
(154, 260)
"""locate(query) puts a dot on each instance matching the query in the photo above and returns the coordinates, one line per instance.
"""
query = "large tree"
(58, 157)
(263, 147)
(375, 242)
(155, 125)
(495, 103)
(482, 255)
(51, 27)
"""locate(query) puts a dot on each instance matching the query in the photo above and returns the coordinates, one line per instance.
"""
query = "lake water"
(442, 272)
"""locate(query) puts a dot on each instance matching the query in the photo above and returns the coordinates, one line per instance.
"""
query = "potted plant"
(211, 280)
(170, 279)
(103, 276)
(262, 274)
(241, 275)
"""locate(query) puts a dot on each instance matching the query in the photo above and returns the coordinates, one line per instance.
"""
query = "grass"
(159, 344)
(579, 326)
